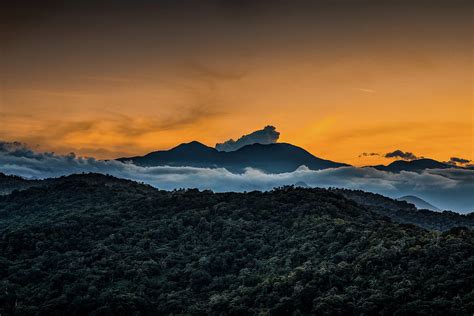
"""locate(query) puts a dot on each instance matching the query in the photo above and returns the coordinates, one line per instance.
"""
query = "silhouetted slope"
(95, 244)
(419, 203)
(193, 154)
(272, 158)
(275, 158)
(417, 165)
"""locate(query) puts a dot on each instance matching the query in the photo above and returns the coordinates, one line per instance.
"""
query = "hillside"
(8, 183)
(97, 244)
(272, 158)
(399, 211)
(419, 203)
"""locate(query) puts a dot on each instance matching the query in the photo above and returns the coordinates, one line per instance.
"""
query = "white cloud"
(267, 135)
(445, 188)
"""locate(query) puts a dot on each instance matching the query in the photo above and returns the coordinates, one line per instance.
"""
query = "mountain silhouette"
(271, 158)
(193, 154)
(419, 203)
(417, 165)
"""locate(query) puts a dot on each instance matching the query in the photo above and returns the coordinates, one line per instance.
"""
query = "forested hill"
(95, 244)
(8, 183)
(399, 211)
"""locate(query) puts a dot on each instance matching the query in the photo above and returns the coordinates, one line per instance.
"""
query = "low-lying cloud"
(267, 135)
(405, 155)
(445, 188)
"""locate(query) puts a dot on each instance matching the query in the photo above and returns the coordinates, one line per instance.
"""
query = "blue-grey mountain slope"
(419, 203)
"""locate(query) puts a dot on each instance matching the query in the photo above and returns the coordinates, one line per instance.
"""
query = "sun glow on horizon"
(335, 89)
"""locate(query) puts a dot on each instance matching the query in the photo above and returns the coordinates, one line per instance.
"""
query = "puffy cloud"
(267, 135)
(456, 161)
(446, 188)
(405, 155)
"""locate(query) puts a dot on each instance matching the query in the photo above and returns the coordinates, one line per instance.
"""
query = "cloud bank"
(267, 135)
(446, 188)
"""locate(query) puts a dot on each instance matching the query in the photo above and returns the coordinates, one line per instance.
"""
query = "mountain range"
(416, 165)
(270, 158)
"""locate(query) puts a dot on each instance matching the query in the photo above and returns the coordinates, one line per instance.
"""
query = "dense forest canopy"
(397, 210)
(100, 245)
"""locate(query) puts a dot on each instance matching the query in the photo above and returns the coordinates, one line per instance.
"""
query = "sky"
(338, 78)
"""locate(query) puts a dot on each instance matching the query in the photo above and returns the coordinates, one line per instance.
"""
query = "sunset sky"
(337, 78)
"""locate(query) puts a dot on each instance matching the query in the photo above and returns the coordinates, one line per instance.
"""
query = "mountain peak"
(418, 202)
(272, 158)
(194, 145)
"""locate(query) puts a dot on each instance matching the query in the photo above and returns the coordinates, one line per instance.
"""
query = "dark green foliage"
(100, 245)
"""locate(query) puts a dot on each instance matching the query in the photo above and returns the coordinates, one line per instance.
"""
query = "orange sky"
(337, 81)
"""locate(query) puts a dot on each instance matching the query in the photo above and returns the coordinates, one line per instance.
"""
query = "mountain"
(419, 203)
(301, 184)
(193, 154)
(417, 165)
(271, 158)
(95, 244)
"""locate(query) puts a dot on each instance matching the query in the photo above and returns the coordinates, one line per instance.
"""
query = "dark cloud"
(21, 150)
(447, 188)
(369, 154)
(405, 155)
(267, 135)
(457, 160)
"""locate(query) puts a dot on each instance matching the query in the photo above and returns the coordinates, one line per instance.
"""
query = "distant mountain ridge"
(406, 212)
(272, 158)
(416, 165)
(419, 203)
